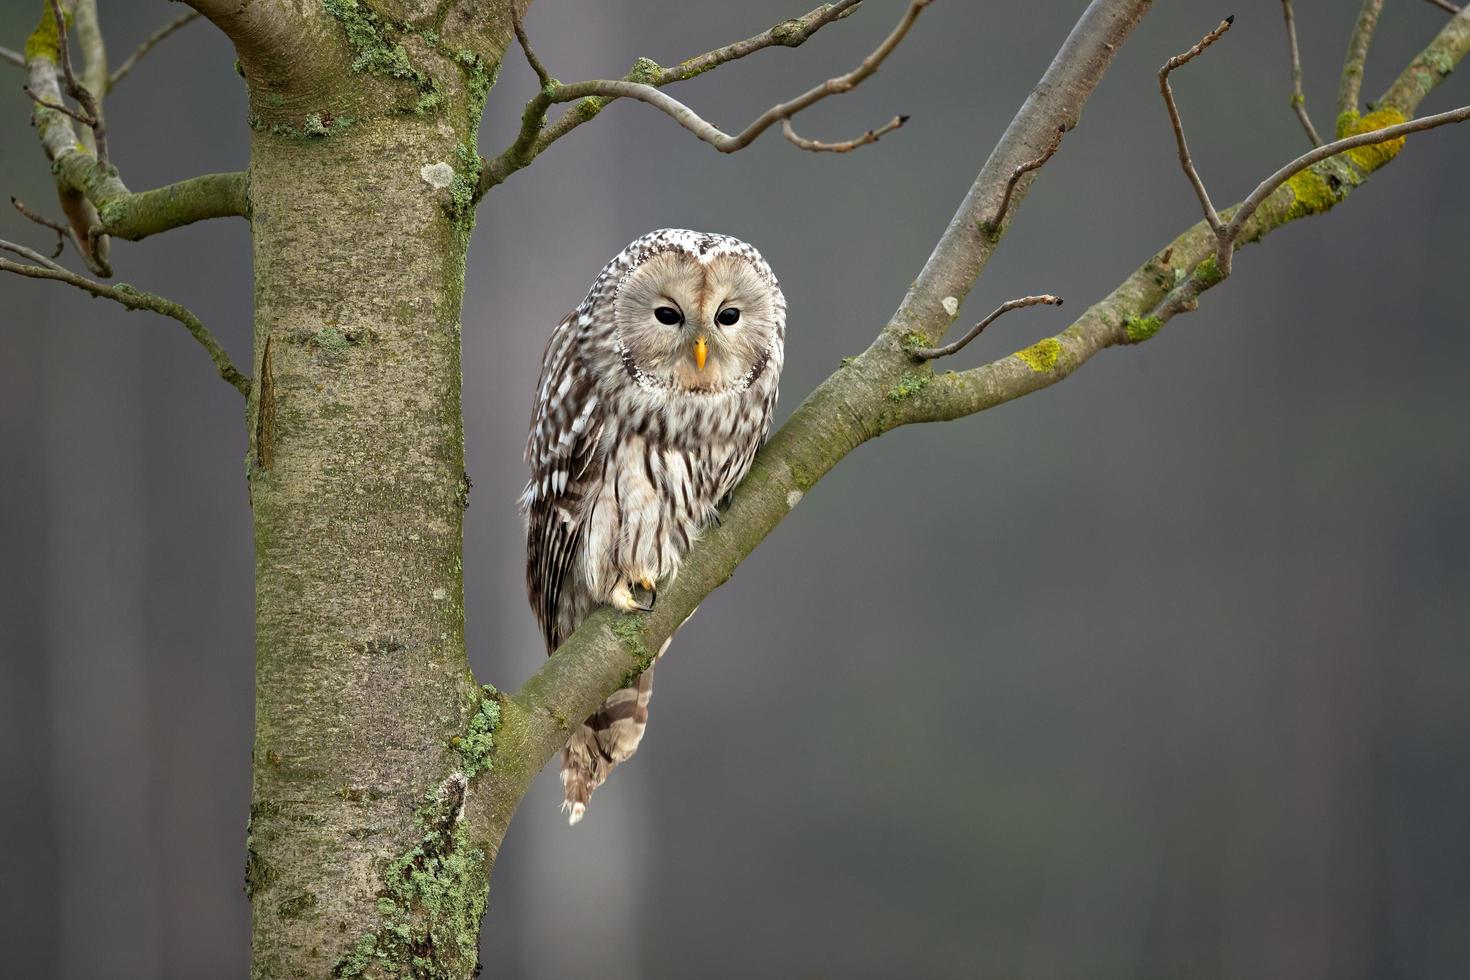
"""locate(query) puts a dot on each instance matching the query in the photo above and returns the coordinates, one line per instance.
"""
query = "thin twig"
(535, 135)
(14, 57)
(63, 231)
(1298, 99)
(788, 34)
(131, 298)
(541, 73)
(846, 146)
(930, 353)
(1005, 198)
(148, 45)
(1445, 6)
(77, 90)
(1178, 60)
(1357, 55)
(80, 117)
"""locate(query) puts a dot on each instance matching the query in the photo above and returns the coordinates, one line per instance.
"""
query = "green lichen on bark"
(431, 902)
(1207, 273)
(645, 71)
(378, 50)
(477, 744)
(909, 385)
(1311, 194)
(44, 41)
(1141, 328)
(1042, 355)
(331, 340)
(1374, 155)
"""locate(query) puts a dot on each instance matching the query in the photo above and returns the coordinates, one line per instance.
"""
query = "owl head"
(694, 313)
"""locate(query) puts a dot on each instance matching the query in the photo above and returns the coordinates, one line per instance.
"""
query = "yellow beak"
(701, 352)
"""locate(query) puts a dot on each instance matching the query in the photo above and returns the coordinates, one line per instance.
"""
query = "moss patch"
(1042, 355)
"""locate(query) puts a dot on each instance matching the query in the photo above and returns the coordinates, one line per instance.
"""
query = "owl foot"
(630, 597)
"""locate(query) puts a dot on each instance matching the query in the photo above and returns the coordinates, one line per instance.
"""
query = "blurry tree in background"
(385, 776)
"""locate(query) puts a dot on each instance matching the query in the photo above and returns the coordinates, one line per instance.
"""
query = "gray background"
(1161, 672)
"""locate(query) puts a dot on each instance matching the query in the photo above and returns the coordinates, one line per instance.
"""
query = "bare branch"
(535, 135)
(846, 146)
(74, 88)
(790, 34)
(713, 135)
(541, 74)
(63, 232)
(1351, 82)
(148, 45)
(1184, 159)
(930, 353)
(14, 57)
(1298, 100)
(133, 299)
(1020, 171)
(1185, 294)
(1445, 6)
(1387, 134)
(1429, 68)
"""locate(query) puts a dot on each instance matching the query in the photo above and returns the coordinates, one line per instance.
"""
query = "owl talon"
(644, 587)
(626, 598)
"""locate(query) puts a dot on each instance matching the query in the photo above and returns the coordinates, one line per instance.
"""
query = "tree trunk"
(358, 863)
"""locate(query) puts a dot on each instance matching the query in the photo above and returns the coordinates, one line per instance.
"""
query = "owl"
(655, 394)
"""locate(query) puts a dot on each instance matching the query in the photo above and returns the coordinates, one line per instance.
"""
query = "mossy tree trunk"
(360, 181)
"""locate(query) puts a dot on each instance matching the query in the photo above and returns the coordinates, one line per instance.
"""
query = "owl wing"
(566, 432)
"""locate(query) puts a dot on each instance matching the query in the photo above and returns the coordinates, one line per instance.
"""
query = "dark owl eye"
(728, 317)
(667, 315)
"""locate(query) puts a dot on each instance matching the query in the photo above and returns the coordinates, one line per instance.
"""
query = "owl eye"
(728, 317)
(668, 316)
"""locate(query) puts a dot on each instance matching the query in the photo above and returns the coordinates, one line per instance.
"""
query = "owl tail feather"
(601, 742)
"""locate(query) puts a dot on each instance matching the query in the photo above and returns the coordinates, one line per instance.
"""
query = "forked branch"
(97, 204)
(1350, 170)
(1185, 161)
(643, 82)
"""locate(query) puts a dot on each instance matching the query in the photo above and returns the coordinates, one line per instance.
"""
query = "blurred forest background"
(1161, 672)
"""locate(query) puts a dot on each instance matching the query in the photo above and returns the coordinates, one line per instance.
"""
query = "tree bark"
(358, 861)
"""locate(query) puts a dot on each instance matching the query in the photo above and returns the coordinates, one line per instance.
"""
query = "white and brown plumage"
(655, 394)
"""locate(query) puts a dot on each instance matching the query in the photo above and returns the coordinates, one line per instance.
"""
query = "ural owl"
(655, 393)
